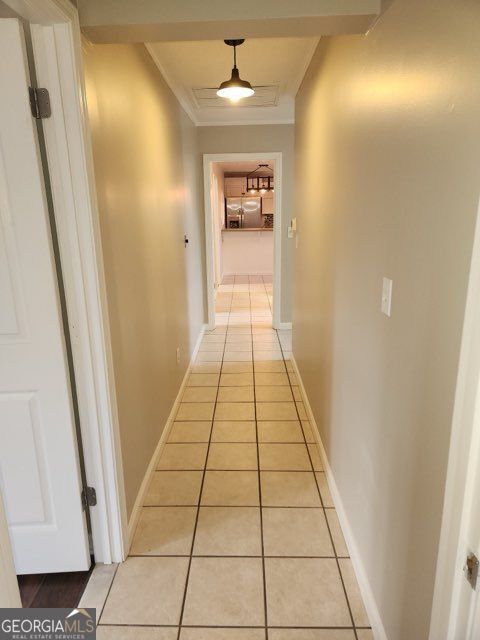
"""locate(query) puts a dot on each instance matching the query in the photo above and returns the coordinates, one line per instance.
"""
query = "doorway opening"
(243, 233)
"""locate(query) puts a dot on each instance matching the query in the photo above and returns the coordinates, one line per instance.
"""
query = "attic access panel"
(264, 96)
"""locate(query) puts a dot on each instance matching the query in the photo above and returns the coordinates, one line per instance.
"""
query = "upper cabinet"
(235, 187)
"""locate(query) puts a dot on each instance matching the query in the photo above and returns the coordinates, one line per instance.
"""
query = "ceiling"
(274, 66)
(108, 21)
(244, 166)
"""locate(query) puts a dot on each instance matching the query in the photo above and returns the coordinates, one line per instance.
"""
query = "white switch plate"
(387, 296)
(290, 232)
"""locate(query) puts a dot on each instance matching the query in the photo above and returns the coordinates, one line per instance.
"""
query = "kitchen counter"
(252, 229)
(247, 251)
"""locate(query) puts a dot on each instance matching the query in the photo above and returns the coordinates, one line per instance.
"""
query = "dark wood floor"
(53, 589)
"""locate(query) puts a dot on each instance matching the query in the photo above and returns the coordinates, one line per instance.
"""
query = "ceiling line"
(173, 85)
(306, 63)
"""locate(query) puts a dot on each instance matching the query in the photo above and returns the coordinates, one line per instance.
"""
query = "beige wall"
(387, 151)
(148, 193)
(256, 139)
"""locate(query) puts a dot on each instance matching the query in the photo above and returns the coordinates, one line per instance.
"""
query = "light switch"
(292, 227)
(387, 296)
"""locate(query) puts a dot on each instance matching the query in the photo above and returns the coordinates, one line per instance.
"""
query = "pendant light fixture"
(257, 182)
(235, 89)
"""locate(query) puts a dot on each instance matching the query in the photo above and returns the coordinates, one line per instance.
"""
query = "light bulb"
(234, 94)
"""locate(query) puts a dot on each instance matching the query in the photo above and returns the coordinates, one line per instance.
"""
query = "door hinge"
(89, 497)
(39, 102)
(471, 569)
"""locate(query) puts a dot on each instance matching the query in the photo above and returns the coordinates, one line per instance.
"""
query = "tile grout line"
(238, 321)
(201, 488)
(213, 555)
(245, 469)
(323, 506)
(228, 626)
(237, 506)
(259, 478)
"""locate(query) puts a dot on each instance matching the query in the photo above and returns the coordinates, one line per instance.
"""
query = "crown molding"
(246, 123)
(305, 64)
(174, 86)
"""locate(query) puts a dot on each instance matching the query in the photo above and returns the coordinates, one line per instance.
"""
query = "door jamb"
(463, 468)
(208, 159)
(9, 591)
(56, 40)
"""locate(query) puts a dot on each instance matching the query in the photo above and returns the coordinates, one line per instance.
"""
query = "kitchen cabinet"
(235, 187)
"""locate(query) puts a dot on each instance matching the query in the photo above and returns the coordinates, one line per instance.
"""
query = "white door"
(39, 468)
(466, 600)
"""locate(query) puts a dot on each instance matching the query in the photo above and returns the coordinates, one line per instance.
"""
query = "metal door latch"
(471, 570)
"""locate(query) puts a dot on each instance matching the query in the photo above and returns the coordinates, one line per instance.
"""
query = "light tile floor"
(238, 538)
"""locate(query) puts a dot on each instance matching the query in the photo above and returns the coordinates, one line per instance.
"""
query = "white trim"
(140, 499)
(208, 159)
(371, 606)
(58, 59)
(285, 326)
(463, 471)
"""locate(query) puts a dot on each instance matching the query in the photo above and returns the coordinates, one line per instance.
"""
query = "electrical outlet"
(178, 355)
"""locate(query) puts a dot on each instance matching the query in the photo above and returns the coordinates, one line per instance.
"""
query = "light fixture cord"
(234, 56)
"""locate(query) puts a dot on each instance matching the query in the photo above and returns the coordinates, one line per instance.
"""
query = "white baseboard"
(285, 326)
(373, 613)
(137, 507)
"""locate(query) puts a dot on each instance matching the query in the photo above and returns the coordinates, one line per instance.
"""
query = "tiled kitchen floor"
(238, 538)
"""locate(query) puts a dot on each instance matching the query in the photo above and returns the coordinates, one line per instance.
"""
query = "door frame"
(463, 470)
(56, 39)
(9, 591)
(208, 159)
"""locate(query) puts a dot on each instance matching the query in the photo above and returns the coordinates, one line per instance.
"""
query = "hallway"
(238, 537)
